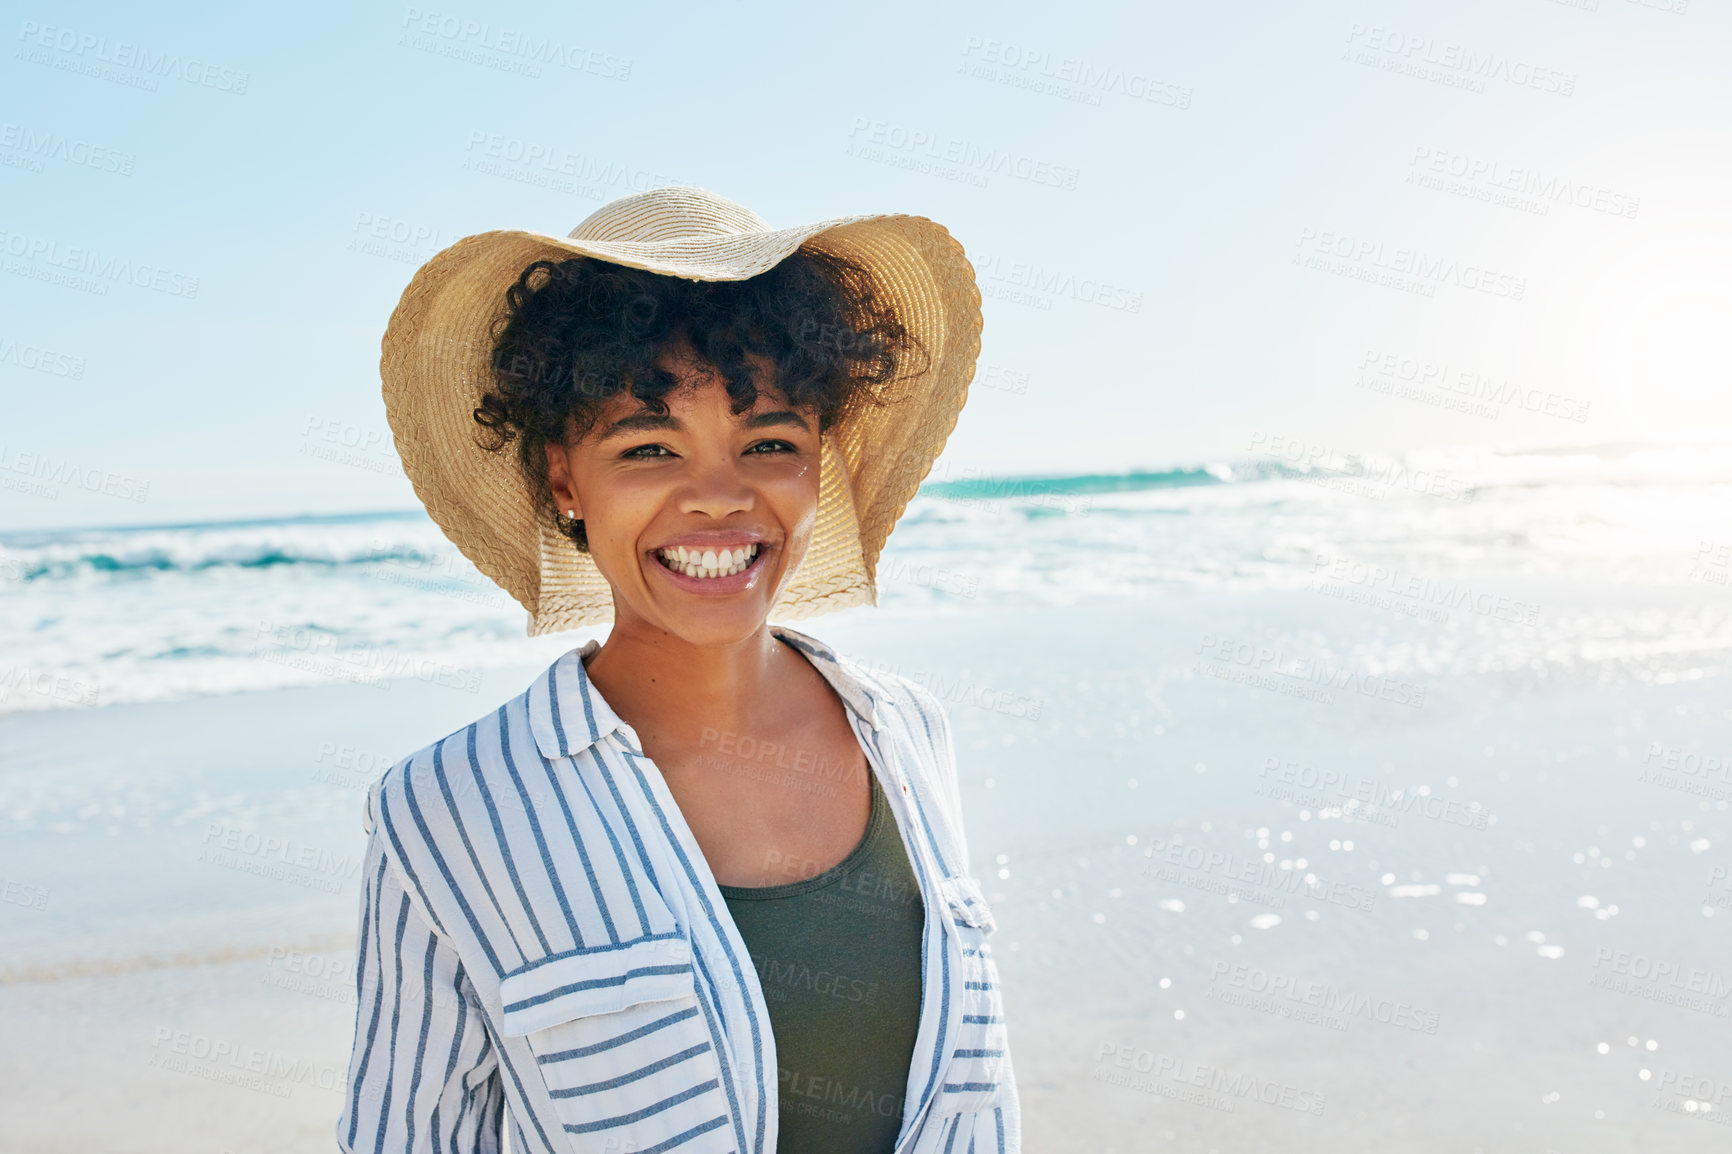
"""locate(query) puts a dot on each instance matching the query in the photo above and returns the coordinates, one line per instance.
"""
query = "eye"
(784, 444)
(635, 452)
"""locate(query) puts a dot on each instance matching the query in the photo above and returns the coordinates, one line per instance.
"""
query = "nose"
(716, 486)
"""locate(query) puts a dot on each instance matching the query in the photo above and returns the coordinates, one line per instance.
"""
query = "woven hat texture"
(436, 363)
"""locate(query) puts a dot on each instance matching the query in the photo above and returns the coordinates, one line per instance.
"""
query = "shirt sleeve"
(424, 1072)
(1007, 1115)
(937, 724)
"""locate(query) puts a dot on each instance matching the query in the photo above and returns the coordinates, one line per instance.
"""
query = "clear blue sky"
(1196, 158)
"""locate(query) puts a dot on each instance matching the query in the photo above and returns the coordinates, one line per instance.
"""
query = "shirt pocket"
(624, 1046)
(972, 1076)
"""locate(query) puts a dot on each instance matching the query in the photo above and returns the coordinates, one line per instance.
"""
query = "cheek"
(616, 510)
(795, 500)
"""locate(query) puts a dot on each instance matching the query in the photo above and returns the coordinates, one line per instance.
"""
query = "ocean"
(102, 616)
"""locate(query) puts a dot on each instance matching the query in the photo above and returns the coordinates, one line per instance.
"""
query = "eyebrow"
(643, 421)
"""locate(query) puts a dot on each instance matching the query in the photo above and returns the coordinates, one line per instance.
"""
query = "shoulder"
(912, 712)
(916, 707)
(894, 696)
(915, 718)
(451, 784)
(458, 810)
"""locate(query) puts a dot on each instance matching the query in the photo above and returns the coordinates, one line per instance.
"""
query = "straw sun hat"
(437, 363)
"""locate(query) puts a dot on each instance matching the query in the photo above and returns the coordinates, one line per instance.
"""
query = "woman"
(705, 887)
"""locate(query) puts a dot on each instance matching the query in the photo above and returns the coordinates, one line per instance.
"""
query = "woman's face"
(703, 479)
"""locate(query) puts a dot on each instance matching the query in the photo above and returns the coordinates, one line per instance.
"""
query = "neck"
(680, 695)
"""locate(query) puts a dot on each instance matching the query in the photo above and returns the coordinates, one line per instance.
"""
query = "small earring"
(572, 513)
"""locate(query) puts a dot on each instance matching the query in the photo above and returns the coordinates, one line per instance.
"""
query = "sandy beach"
(1515, 897)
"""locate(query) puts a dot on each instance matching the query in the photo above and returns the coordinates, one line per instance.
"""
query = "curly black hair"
(578, 332)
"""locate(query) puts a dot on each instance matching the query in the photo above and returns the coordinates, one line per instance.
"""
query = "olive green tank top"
(838, 957)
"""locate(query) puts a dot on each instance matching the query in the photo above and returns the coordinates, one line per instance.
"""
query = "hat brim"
(436, 363)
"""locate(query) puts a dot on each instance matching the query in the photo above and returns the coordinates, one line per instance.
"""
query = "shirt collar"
(841, 674)
(567, 713)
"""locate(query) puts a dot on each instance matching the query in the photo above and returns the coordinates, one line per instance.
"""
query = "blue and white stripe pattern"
(543, 949)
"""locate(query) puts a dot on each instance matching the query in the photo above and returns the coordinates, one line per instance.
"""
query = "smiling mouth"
(709, 563)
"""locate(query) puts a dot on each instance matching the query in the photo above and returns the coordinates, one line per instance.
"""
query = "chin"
(717, 629)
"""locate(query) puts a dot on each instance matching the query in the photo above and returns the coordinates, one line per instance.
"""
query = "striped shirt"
(543, 948)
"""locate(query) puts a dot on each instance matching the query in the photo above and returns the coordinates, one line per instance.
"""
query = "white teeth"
(710, 562)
